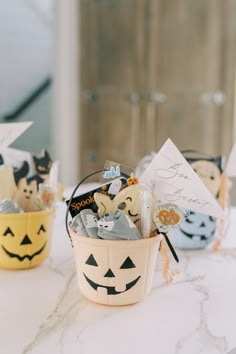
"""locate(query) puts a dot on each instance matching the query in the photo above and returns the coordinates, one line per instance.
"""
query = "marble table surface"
(42, 310)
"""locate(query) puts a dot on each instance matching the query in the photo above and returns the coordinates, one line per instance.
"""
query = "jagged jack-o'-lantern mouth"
(195, 236)
(21, 258)
(198, 227)
(25, 238)
(111, 289)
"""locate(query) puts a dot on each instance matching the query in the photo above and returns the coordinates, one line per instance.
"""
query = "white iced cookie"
(210, 175)
(127, 200)
(26, 195)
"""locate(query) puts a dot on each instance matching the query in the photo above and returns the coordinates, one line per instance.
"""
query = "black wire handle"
(72, 196)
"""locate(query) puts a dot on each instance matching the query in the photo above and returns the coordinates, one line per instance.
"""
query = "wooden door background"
(153, 69)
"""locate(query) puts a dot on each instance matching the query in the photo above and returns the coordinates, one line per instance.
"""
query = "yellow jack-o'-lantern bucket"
(113, 272)
(25, 238)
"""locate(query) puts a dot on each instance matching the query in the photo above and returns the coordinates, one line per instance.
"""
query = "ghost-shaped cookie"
(26, 195)
(127, 200)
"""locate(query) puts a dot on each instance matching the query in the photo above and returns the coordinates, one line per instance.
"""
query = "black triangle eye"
(8, 232)
(128, 263)
(91, 261)
(189, 221)
(41, 229)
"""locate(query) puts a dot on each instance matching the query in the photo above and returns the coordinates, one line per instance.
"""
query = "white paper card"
(9, 132)
(176, 182)
(230, 169)
(14, 157)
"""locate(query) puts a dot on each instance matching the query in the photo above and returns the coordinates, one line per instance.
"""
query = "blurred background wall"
(115, 78)
(153, 69)
(26, 42)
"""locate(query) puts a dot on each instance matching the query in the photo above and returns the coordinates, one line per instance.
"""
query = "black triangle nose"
(26, 241)
(203, 224)
(109, 274)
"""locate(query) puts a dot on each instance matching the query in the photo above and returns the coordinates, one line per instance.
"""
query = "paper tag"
(176, 182)
(115, 170)
(230, 169)
(9, 132)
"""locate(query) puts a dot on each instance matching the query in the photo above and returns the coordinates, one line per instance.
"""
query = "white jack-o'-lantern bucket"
(198, 230)
(113, 272)
(195, 232)
(25, 238)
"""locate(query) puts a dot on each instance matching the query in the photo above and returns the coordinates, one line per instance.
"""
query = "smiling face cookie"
(127, 200)
(210, 175)
(26, 195)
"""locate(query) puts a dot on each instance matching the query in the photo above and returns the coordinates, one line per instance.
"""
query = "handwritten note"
(176, 182)
(9, 132)
(230, 169)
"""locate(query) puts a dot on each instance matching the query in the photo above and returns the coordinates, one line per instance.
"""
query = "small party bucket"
(195, 232)
(115, 272)
(198, 230)
(25, 238)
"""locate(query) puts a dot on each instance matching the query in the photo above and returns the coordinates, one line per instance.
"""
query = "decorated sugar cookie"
(42, 166)
(210, 175)
(127, 200)
(26, 195)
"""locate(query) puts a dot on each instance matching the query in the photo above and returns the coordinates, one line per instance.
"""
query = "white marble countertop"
(42, 311)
